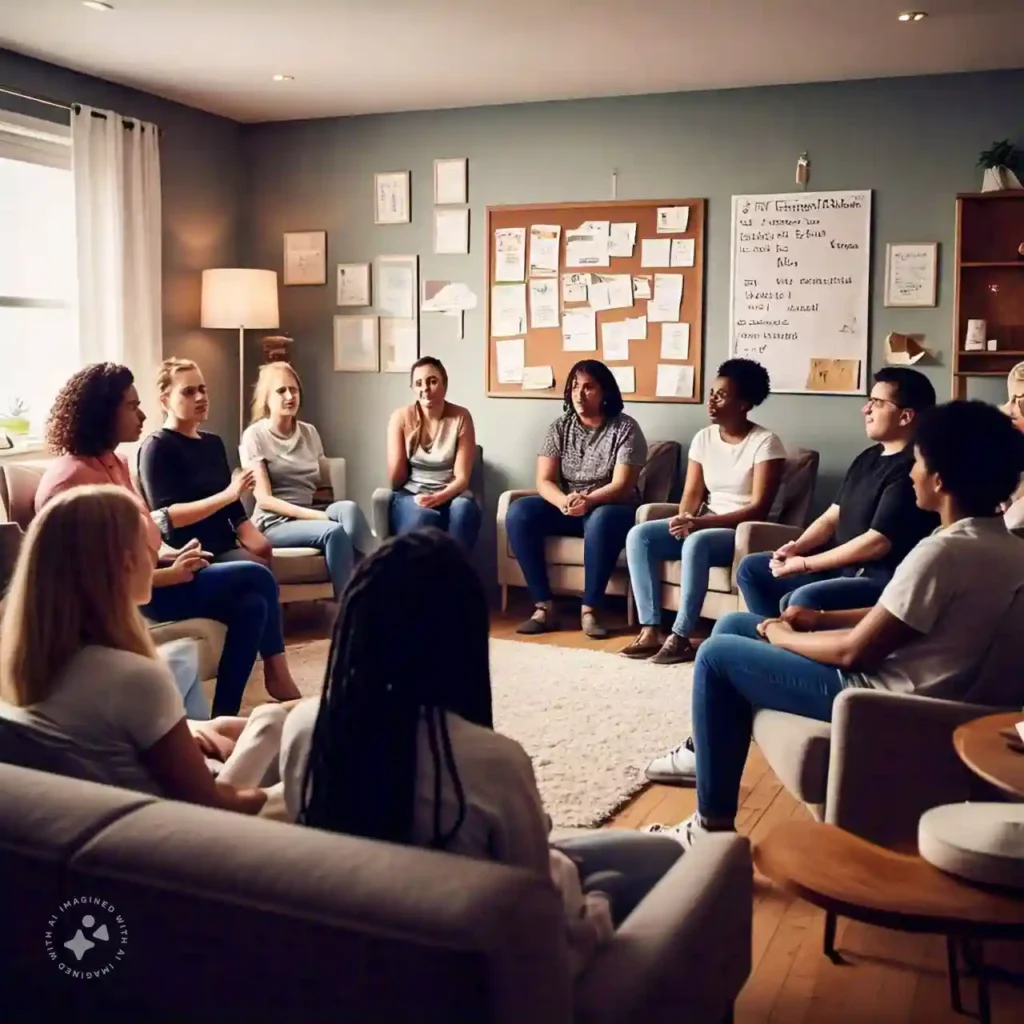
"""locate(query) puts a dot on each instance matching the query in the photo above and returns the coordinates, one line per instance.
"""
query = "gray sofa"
(227, 918)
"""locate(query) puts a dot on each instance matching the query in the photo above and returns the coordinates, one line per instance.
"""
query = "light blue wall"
(914, 141)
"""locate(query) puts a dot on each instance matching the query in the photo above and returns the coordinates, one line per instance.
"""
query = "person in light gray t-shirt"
(588, 468)
(287, 457)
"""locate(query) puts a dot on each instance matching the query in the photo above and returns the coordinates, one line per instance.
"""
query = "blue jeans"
(735, 673)
(460, 517)
(766, 595)
(182, 658)
(337, 537)
(532, 520)
(650, 544)
(242, 595)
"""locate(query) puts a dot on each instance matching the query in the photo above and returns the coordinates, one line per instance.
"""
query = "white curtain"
(116, 163)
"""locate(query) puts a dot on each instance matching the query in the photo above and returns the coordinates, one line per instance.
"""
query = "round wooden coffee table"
(989, 755)
(850, 877)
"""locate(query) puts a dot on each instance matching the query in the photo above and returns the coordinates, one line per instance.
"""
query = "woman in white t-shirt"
(401, 746)
(76, 655)
(733, 476)
(286, 455)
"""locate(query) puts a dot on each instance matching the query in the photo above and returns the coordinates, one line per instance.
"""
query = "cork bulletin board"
(659, 365)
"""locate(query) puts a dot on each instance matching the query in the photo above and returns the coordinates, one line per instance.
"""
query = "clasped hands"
(786, 562)
(682, 526)
(427, 500)
(186, 561)
(793, 620)
(576, 504)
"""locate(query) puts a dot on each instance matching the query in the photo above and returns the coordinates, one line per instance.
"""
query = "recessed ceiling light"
(284, 78)
(913, 16)
(97, 5)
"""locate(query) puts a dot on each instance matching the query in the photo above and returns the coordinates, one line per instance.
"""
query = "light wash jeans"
(344, 531)
(650, 544)
(736, 672)
(182, 658)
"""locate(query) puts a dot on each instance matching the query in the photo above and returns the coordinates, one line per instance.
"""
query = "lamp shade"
(237, 297)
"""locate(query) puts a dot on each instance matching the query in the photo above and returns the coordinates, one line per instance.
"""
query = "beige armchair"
(723, 596)
(565, 554)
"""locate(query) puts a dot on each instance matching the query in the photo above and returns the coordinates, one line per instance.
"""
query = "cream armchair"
(723, 595)
(658, 479)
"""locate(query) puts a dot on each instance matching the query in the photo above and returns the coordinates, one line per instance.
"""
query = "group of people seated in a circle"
(400, 746)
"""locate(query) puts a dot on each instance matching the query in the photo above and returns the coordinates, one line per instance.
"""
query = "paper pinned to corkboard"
(834, 375)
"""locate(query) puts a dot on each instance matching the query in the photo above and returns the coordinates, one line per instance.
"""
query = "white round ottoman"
(981, 842)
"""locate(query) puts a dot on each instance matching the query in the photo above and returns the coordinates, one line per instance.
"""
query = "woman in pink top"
(98, 409)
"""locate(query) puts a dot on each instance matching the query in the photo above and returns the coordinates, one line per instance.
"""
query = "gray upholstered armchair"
(380, 503)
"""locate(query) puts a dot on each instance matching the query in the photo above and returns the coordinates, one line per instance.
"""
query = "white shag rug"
(590, 720)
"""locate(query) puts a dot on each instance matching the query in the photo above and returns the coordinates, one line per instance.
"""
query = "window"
(38, 281)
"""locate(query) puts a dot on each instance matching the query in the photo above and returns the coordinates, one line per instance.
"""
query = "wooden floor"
(890, 976)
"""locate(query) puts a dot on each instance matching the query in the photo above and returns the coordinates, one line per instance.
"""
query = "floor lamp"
(236, 298)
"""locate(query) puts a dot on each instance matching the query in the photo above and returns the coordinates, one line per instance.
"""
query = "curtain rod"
(36, 99)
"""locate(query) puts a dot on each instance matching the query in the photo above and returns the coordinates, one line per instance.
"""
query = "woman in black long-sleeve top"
(184, 473)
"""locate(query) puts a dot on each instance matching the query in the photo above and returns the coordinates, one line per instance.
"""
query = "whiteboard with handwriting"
(801, 268)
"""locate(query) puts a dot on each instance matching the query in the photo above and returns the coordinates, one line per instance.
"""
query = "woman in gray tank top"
(431, 448)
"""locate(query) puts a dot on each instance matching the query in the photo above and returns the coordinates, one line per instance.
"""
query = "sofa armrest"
(505, 499)
(656, 510)
(333, 477)
(501, 539)
(752, 538)
(380, 512)
(688, 944)
(892, 759)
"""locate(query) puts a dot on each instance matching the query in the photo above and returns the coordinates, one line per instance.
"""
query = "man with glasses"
(872, 524)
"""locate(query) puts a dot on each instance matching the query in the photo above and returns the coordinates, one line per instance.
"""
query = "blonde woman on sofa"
(401, 747)
(733, 476)
(76, 654)
(95, 411)
(431, 449)
(285, 454)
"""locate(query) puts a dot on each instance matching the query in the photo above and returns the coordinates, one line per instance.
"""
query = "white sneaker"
(686, 833)
(676, 768)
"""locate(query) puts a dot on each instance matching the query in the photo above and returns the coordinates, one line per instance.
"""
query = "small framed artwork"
(396, 287)
(450, 185)
(305, 257)
(353, 284)
(391, 192)
(911, 273)
(451, 231)
(399, 344)
(356, 346)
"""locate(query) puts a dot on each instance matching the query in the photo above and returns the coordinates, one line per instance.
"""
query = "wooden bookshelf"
(989, 283)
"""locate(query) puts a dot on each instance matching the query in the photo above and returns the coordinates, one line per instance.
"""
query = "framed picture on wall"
(305, 257)
(353, 284)
(911, 273)
(391, 198)
(451, 231)
(356, 347)
(450, 181)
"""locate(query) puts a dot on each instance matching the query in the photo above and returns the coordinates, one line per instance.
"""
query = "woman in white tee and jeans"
(733, 476)
(285, 455)
(75, 654)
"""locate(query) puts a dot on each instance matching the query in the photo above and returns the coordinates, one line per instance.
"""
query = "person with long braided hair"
(400, 746)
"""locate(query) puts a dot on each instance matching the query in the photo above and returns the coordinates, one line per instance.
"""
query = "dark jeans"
(532, 519)
(766, 596)
(736, 672)
(460, 517)
(242, 595)
(625, 865)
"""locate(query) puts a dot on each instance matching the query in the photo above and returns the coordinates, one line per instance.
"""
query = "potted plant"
(16, 421)
(1000, 163)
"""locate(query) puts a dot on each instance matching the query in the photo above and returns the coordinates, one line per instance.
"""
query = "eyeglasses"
(881, 403)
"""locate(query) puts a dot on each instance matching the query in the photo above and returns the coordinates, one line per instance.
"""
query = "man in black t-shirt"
(872, 525)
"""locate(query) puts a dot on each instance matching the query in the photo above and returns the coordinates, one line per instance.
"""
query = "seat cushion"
(299, 565)
(208, 633)
(797, 749)
(719, 579)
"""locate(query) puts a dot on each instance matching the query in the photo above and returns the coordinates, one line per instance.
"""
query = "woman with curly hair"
(98, 409)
